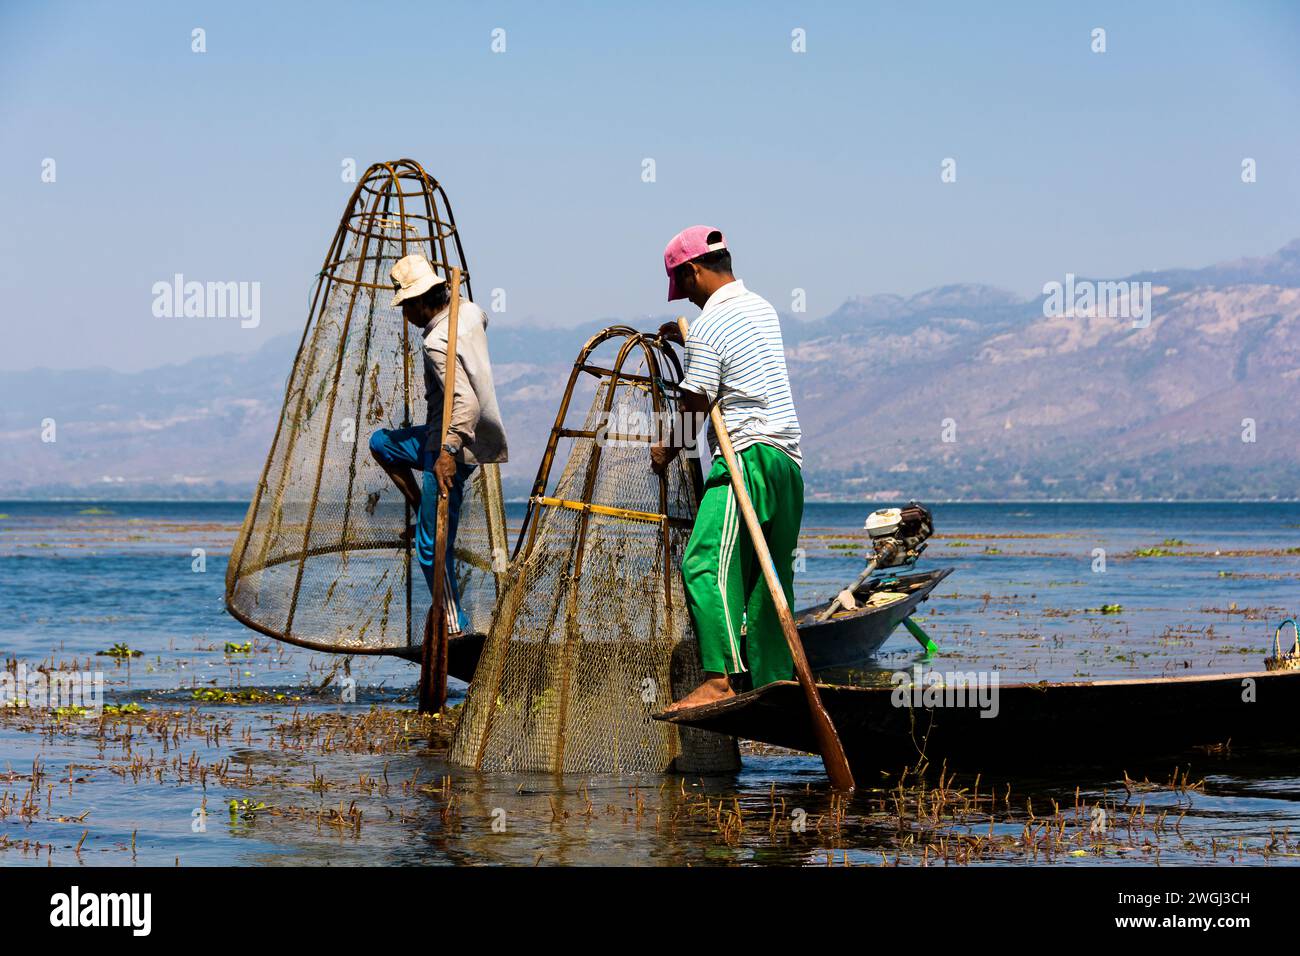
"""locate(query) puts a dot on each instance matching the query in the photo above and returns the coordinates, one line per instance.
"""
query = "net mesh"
(322, 558)
(591, 634)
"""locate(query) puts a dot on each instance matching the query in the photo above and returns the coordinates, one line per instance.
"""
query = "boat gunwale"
(743, 700)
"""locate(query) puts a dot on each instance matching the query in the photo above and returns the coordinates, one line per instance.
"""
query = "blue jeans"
(409, 448)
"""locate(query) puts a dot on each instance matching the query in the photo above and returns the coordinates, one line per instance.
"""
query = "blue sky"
(822, 167)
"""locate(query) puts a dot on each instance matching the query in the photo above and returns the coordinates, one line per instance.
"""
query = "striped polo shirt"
(734, 349)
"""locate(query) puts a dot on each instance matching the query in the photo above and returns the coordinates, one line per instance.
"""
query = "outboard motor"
(898, 537)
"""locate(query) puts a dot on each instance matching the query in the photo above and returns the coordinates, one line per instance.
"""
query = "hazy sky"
(823, 167)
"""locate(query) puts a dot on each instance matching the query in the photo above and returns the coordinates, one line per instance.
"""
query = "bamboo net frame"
(323, 559)
(591, 635)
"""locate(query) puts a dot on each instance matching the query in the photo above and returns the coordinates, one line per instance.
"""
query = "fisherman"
(734, 357)
(475, 435)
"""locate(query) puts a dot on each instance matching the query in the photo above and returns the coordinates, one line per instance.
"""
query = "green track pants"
(724, 584)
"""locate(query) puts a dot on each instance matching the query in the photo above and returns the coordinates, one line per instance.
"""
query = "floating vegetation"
(244, 695)
(1247, 613)
(303, 783)
(122, 710)
(120, 651)
(245, 809)
(233, 648)
(1154, 553)
(1107, 609)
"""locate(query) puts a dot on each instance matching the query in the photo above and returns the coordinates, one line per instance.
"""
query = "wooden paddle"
(828, 739)
(433, 661)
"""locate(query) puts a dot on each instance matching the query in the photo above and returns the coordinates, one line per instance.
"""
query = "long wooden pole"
(828, 739)
(433, 661)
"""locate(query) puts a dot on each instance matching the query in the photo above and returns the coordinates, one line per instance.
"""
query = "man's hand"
(444, 469)
(671, 332)
(661, 457)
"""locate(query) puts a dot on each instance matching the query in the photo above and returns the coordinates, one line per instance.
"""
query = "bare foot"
(711, 691)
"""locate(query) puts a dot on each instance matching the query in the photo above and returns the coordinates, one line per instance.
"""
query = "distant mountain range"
(963, 391)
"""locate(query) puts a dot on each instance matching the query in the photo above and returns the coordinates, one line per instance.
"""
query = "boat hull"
(851, 640)
(1112, 724)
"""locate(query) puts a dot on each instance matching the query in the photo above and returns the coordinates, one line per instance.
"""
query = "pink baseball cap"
(687, 245)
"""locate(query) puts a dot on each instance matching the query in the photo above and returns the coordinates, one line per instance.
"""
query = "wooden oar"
(433, 662)
(828, 739)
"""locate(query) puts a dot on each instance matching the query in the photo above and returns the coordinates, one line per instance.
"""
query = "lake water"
(356, 783)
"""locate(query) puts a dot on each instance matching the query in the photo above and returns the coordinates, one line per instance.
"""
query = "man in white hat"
(475, 434)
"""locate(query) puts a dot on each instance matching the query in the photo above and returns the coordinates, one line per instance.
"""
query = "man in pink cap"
(735, 357)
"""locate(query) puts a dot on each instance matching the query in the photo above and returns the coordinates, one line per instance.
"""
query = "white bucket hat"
(413, 276)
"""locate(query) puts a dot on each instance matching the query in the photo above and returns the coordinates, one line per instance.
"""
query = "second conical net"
(591, 635)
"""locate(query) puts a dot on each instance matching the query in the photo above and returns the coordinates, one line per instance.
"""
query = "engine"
(898, 535)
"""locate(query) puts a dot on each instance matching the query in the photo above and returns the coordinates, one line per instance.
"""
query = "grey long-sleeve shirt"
(475, 417)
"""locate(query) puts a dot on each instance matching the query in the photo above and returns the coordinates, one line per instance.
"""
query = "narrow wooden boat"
(852, 638)
(1116, 724)
(848, 639)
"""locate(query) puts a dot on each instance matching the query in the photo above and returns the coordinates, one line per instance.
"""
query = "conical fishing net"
(323, 558)
(591, 635)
